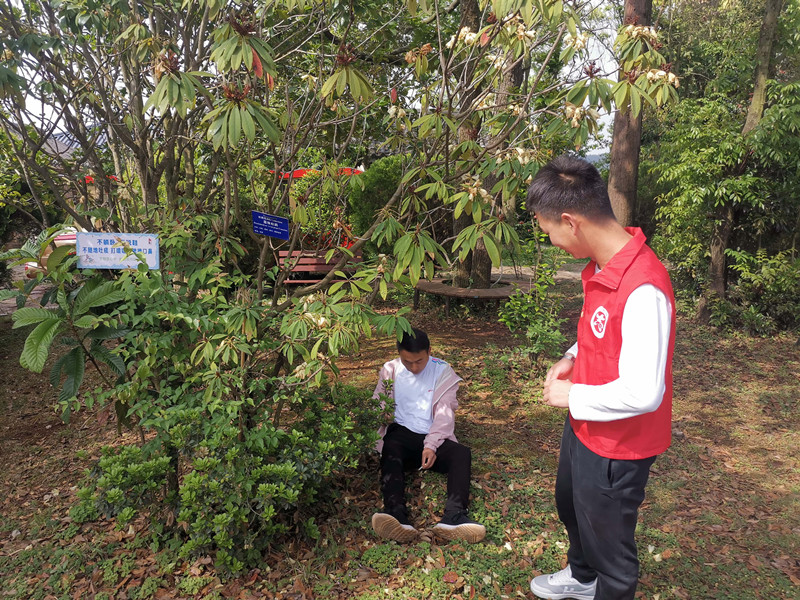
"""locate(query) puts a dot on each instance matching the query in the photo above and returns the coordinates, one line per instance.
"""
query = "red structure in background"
(327, 238)
(298, 173)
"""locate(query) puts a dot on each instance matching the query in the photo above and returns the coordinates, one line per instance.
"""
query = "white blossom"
(317, 319)
(498, 62)
(578, 42)
(642, 31)
(656, 75)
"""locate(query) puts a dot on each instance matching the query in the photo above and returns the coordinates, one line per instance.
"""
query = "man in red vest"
(616, 382)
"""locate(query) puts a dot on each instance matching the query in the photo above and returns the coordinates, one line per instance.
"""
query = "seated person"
(421, 437)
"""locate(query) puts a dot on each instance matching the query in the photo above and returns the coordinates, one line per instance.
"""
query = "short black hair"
(417, 341)
(569, 184)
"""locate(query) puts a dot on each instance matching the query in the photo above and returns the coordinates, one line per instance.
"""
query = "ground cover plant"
(721, 520)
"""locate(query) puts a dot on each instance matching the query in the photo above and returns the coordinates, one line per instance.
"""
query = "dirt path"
(9, 306)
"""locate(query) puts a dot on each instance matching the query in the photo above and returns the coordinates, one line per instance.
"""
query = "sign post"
(270, 225)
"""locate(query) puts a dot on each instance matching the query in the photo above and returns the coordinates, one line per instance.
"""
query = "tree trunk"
(470, 17)
(481, 267)
(717, 281)
(623, 174)
(512, 80)
(724, 222)
(766, 40)
(462, 273)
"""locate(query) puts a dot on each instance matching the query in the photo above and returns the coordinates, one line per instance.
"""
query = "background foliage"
(697, 164)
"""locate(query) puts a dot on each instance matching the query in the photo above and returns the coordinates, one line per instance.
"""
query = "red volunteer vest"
(599, 345)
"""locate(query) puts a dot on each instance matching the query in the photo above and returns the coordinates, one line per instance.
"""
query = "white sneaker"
(459, 526)
(561, 585)
(387, 526)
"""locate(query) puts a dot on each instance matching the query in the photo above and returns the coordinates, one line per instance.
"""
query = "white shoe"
(459, 526)
(562, 585)
(386, 526)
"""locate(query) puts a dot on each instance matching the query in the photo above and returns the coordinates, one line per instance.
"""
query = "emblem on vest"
(599, 321)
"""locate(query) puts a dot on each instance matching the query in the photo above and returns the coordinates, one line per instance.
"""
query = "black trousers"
(598, 501)
(402, 451)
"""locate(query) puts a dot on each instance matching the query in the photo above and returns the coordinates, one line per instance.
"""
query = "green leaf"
(55, 371)
(578, 94)
(620, 93)
(234, 126)
(85, 321)
(265, 122)
(104, 332)
(30, 315)
(248, 125)
(220, 130)
(57, 255)
(98, 295)
(61, 299)
(329, 85)
(492, 250)
(341, 82)
(365, 89)
(636, 102)
(238, 54)
(37, 346)
(73, 365)
(352, 81)
(114, 361)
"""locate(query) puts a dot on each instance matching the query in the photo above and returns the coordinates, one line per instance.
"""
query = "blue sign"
(277, 227)
(111, 250)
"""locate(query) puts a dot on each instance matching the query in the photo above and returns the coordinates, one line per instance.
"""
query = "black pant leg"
(456, 460)
(606, 495)
(402, 449)
(566, 507)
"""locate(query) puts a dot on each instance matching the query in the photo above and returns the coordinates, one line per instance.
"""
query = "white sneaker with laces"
(562, 585)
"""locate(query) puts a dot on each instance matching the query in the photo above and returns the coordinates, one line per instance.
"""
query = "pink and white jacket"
(444, 405)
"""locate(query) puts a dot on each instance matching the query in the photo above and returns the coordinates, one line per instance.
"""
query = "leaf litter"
(726, 497)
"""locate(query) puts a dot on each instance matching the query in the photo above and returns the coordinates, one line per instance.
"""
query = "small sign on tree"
(270, 225)
(113, 250)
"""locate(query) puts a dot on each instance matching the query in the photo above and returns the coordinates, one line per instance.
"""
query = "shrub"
(536, 313)
(238, 488)
(373, 191)
(240, 428)
(766, 295)
(322, 199)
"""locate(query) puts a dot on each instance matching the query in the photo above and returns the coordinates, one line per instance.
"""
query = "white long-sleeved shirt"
(639, 389)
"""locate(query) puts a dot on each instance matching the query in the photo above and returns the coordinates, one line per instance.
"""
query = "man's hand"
(428, 458)
(557, 383)
(556, 392)
(560, 370)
